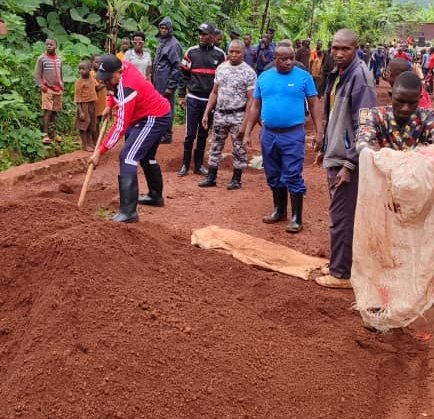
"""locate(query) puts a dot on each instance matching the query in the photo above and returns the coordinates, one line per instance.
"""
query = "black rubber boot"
(280, 198)
(210, 179)
(129, 192)
(185, 163)
(154, 179)
(199, 168)
(296, 223)
(236, 180)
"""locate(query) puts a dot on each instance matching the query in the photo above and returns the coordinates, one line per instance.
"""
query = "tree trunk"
(254, 12)
(312, 15)
(264, 16)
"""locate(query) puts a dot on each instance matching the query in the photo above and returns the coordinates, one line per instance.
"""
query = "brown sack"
(257, 252)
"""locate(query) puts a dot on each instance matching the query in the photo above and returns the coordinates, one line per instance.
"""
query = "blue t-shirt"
(283, 96)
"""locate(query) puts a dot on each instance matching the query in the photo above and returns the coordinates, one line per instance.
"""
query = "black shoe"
(150, 200)
(154, 179)
(185, 163)
(166, 138)
(296, 223)
(235, 183)
(211, 178)
(183, 171)
(128, 191)
(199, 168)
(201, 171)
(280, 199)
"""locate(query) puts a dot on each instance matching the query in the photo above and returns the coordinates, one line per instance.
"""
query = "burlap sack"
(393, 247)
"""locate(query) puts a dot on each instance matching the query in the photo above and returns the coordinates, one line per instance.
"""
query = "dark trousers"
(341, 211)
(141, 142)
(283, 158)
(171, 100)
(195, 110)
(161, 89)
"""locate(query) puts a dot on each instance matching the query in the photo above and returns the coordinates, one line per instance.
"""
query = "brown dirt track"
(99, 320)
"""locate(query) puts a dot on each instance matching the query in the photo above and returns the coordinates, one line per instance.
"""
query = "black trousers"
(195, 110)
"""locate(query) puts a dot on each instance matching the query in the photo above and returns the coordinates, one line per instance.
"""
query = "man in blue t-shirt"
(279, 100)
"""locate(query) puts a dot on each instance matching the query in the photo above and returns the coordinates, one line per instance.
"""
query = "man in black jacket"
(197, 76)
(166, 70)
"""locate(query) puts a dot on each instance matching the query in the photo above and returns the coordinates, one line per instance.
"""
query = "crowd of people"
(275, 84)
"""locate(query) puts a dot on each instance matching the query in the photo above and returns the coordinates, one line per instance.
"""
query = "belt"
(225, 111)
(279, 130)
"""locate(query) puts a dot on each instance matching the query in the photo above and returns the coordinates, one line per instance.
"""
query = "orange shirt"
(101, 101)
(316, 63)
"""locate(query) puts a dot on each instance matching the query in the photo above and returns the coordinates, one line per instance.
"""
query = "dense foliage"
(83, 27)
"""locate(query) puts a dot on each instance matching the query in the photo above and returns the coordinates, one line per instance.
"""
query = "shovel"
(91, 167)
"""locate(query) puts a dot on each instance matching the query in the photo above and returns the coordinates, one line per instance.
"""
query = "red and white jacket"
(134, 99)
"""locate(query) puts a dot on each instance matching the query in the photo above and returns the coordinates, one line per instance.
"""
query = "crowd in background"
(276, 84)
(164, 69)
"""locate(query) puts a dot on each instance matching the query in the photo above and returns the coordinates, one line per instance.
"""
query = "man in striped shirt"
(49, 78)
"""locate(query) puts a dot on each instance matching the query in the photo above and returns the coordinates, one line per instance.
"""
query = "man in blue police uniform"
(279, 99)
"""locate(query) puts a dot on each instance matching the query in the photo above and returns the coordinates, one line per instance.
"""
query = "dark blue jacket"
(167, 63)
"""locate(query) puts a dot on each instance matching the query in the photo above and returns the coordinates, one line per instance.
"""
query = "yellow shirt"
(333, 94)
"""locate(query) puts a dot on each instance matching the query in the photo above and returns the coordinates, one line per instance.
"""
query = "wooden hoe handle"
(86, 182)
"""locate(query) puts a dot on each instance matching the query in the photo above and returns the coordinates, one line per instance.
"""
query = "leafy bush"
(20, 110)
(84, 27)
(19, 126)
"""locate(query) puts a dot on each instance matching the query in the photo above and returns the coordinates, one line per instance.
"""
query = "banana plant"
(118, 18)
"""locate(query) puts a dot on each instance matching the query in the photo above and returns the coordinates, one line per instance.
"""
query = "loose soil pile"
(102, 320)
(99, 320)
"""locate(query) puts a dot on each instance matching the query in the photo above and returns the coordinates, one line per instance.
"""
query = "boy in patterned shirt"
(232, 95)
(401, 126)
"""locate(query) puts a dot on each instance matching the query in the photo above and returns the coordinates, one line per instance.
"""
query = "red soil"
(99, 320)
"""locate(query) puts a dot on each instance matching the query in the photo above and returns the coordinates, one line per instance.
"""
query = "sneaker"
(183, 171)
(331, 281)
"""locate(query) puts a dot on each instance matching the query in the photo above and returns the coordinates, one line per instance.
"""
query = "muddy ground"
(99, 320)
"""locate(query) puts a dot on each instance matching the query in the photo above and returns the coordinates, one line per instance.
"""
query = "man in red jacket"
(143, 116)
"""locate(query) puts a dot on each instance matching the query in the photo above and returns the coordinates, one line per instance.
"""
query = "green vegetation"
(104, 213)
(84, 27)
